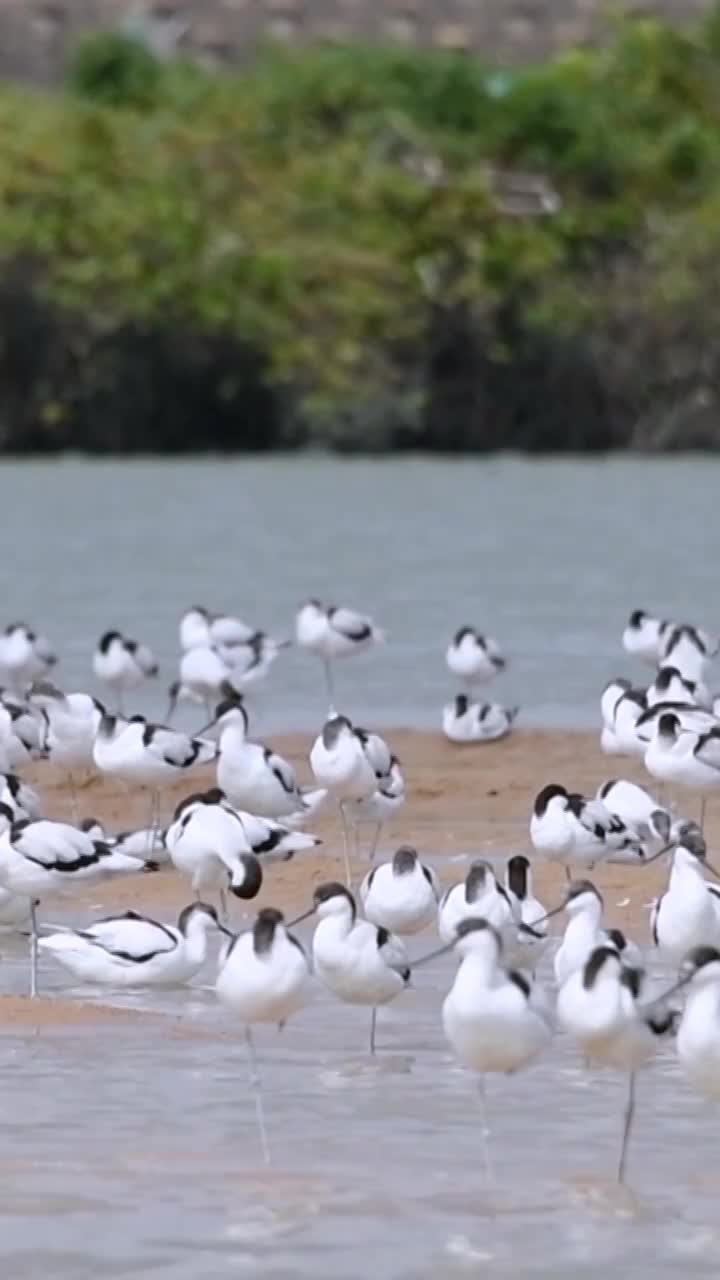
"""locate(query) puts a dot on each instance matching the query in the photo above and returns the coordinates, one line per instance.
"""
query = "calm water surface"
(142, 1157)
(132, 1151)
(549, 556)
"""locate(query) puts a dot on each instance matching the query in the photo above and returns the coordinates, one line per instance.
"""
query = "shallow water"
(143, 1159)
(550, 556)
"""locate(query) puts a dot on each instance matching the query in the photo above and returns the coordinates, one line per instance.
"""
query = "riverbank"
(473, 801)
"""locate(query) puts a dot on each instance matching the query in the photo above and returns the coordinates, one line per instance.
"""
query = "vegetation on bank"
(366, 248)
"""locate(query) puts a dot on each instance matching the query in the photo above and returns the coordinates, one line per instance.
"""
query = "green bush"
(333, 214)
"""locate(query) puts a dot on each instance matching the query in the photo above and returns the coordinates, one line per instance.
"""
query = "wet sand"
(473, 800)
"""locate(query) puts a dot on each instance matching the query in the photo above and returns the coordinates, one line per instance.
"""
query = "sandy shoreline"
(461, 800)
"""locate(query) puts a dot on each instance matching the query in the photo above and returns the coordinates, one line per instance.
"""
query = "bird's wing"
(131, 936)
(283, 771)
(392, 951)
(56, 845)
(708, 749)
(146, 660)
(172, 748)
(350, 624)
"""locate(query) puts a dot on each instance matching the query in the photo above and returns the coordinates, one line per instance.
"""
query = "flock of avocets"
(496, 1017)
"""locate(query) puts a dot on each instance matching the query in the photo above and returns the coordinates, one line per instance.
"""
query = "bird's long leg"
(255, 1086)
(373, 1023)
(223, 907)
(489, 1179)
(154, 820)
(73, 797)
(33, 948)
(375, 842)
(629, 1115)
(346, 845)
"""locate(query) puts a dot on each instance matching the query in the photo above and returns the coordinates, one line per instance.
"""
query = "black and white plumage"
(145, 843)
(122, 664)
(253, 776)
(473, 657)
(132, 950)
(565, 827)
(643, 636)
(359, 962)
(332, 632)
(687, 648)
(402, 895)
(148, 754)
(478, 896)
(670, 685)
(24, 655)
(466, 721)
(41, 859)
(621, 707)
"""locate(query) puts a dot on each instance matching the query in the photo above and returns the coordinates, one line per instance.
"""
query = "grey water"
(131, 1150)
(549, 556)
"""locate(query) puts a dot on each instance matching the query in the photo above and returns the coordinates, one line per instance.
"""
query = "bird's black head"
(699, 958)
(250, 883)
(637, 617)
(668, 724)
(196, 909)
(108, 638)
(404, 860)
(517, 872)
(477, 880)
(267, 922)
(333, 889)
(548, 793)
(596, 962)
(332, 729)
(665, 677)
(461, 633)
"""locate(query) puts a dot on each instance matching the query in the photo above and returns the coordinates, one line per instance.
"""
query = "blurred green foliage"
(396, 247)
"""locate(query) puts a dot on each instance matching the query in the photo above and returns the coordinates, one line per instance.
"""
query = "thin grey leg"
(33, 949)
(629, 1116)
(489, 1179)
(375, 842)
(255, 1086)
(346, 846)
(373, 1023)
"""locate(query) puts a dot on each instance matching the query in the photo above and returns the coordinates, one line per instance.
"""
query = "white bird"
(670, 686)
(377, 809)
(566, 828)
(253, 776)
(20, 798)
(686, 915)
(132, 950)
(473, 657)
(599, 1006)
(24, 655)
(359, 962)
(489, 1015)
(194, 628)
(332, 633)
(584, 932)
(466, 721)
(494, 1019)
(145, 843)
(642, 636)
(698, 1033)
(691, 720)
(340, 765)
(204, 677)
(122, 664)
(530, 942)
(402, 895)
(687, 648)
(207, 843)
(263, 976)
(678, 755)
(148, 754)
(72, 722)
(622, 708)
(637, 808)
(42, 859)
(250, 661)
(478, 896)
